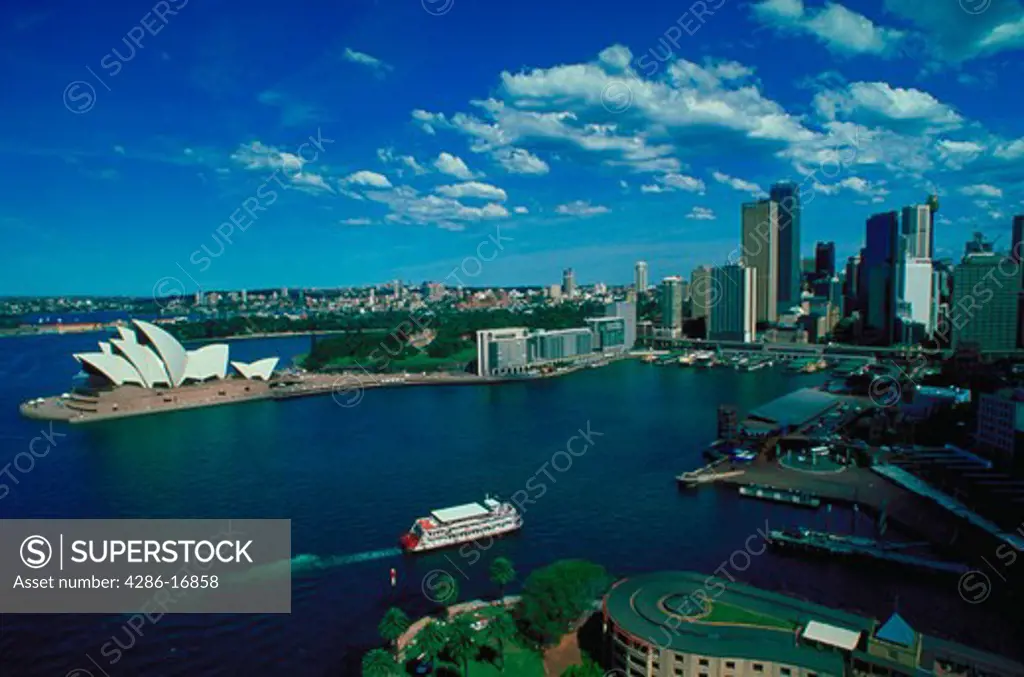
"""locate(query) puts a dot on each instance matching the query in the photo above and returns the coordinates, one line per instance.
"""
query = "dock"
(824, 543)
(787, 496)
(706, 475)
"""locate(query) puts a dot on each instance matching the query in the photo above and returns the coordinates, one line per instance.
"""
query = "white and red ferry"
(461, 524)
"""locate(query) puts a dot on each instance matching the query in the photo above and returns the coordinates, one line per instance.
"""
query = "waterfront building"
(786, 195)
(150, 357)
(825, 260)
(882, 263)
(501, 351)
(760, 247)
(698, 292)
(682, 624)
(626, 310)
(916, 228)
(568, 283)
(559, 344)
(672, 305)
(985, 310)
(733, 316)
(608, 334)
(640, 277)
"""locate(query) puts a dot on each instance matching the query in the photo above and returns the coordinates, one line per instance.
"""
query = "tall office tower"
(568, 283)
(919, 315)
(985, 303)
(1017, 246)
(700, 289)
(672, 304)
(733, 317)
(640, 277)
(760, 242)
(245, 297)
(916, 227)
(787, 195)
(825, 260)
(883, 268)
(851, 285)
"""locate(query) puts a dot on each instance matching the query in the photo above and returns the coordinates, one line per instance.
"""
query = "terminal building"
(678, 624)
(515, 351)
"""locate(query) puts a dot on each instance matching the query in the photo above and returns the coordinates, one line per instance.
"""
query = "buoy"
(394, 577)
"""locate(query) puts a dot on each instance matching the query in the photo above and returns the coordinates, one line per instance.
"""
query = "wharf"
(825, 543)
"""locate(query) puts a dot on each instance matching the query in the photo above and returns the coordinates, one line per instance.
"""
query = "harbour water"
(352, 479)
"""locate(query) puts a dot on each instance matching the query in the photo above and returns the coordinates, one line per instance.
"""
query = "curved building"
(678, 624)
(151, 358)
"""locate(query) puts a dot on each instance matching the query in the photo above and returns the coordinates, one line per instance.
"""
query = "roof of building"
(743, 622)
(832, 635)
(897, 631)
(796, 408)
(459, 512)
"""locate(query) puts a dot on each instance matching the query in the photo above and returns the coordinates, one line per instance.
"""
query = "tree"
(502, 573)
(391, 627)
(379, 663)
(588, 669)
(462, 642)
(557, 595)
(448, 592)
(500, 629)
(431, 641)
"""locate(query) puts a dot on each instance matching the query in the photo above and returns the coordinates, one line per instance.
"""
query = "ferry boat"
(461, 524)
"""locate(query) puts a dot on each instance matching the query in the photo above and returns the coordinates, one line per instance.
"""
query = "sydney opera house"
(145, 370)
(150, 357)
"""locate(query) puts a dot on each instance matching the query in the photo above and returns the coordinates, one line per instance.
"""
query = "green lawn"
(519, 662)
(729, 613)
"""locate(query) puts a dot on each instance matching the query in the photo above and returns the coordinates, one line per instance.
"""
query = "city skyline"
(568, 147)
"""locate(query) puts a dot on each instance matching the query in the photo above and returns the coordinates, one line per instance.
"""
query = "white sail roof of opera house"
(150, 356)
(258, 369)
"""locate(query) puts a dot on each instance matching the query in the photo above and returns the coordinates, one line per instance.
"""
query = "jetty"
(787, 496)
(825, 543)
(706, 475)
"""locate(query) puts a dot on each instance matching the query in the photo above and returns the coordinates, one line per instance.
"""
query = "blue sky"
(584, 135)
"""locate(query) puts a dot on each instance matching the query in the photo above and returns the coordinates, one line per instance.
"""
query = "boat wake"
(308, 565)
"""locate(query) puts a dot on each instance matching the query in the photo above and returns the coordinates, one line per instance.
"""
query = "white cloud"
(838, 28)
(312, 182)
(738, 184)
(364, 59)
(520, 210)
(701, 214)
(259, 156)
(951, 35)
(880, 103)
(581, 208)
(387, 156)
(981, 190)
(682, 182)
(356, 222)
(367, 178)
(473, 189)
(409, 207)
(1014, 150)
(446, 163)
(520, 161)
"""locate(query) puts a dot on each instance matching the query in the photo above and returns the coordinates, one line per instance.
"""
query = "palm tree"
(587, 669)
(431, 640)
(500, 629)
(462, 642)
(379, 663)
(392, 626)
(502, 573)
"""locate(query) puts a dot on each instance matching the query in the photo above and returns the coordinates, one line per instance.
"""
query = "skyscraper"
(916, 227)
(672, 304)
(640, 277)
(825, 260)
(919, 303)
(568, 283)
(700, 286)
(733, 316)
(760, 238)
(883, 259)
(787, 196)
(1017, 246)
(985, 303)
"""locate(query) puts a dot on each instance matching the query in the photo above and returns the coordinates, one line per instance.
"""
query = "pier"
(825, 543)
